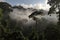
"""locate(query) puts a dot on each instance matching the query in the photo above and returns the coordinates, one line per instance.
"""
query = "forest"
(13, 29)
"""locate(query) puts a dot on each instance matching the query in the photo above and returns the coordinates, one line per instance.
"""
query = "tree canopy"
(55, 5)
(5, 6)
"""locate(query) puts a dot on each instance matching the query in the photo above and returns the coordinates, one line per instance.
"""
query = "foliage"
(5, 6)
(9, 30)
(55, 5)
(0, 13)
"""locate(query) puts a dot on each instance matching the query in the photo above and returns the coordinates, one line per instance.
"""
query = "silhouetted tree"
(55, 5)
(6, 7)
(35, 13)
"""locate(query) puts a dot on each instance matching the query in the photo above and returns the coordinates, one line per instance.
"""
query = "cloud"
(41, 6)
(46, 1)
(2, 0)
(44, 6)
(27, 6)
(37, 6)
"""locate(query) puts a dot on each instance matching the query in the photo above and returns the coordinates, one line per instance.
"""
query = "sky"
(37, 4)
(14, 2)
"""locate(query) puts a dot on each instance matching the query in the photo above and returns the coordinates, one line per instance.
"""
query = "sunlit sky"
(38, 4)
(14, 2)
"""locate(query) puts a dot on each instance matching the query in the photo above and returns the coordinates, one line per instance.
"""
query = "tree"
(5, 6)
(0, 13)
(35, 13)
(55, 5)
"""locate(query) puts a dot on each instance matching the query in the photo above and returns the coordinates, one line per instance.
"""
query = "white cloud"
(2, 0)
(41, 6)
(46, 1)
(44, 6)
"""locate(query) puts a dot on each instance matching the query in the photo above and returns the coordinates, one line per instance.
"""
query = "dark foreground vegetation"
(11, 31)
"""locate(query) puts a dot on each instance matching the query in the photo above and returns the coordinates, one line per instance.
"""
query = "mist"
(31, 21)
(21, 15)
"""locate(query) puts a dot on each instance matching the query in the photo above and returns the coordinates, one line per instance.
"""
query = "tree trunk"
(59, 18)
